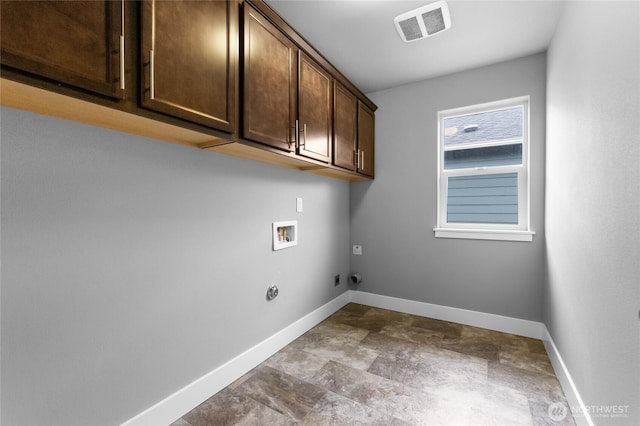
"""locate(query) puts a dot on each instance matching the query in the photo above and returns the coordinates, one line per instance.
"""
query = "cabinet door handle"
(122, 47)
(304, 130)
(296, 135)
(357, 154)
(362, 163)
(121, 62)
(152, 89)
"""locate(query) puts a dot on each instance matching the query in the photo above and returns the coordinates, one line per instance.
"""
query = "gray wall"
(132, 267)
(393, 217)
(593, 201)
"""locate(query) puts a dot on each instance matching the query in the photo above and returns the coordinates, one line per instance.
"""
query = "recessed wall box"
(285, 234)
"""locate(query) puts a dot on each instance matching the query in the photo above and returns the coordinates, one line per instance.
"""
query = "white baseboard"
(576, 405)
(174, 406)
(462, 316)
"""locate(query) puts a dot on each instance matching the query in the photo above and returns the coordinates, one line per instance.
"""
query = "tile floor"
(370, 366)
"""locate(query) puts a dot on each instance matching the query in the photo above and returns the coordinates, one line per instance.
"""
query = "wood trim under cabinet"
(261, 153)
(30, 98)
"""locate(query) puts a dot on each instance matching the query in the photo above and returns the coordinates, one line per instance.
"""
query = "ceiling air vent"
(423, 22)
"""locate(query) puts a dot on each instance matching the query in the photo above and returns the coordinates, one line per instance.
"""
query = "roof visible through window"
(491, 126)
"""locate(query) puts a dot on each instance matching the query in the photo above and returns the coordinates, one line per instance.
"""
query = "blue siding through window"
(489, 198)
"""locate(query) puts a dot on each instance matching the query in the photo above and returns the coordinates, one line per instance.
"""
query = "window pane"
(500, 155)
(484, 126)
(483, 199)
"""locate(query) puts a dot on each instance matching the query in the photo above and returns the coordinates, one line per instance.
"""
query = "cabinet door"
(314, 110)
(188, 60)
(79, 43)
(345, 119)
(269, 96)
(366, 143)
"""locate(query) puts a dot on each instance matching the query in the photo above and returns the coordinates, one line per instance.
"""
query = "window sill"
(484, 234)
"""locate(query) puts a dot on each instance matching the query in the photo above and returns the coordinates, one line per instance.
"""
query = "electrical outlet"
(336, 280)
(357, 250)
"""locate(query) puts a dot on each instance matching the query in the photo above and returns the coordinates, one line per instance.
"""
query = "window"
(483, 177)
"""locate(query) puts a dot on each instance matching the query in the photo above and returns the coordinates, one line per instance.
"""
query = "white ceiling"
(359, 38)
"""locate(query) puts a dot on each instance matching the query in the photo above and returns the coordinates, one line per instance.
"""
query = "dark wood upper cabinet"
(269, 83)
(353, 133)
(314, 110)
(189, 52)
(366, 142)
(310, 110)
(230, 76)
(345, 127)
(77, 43)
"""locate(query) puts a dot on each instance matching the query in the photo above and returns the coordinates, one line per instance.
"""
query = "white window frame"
(486, 231)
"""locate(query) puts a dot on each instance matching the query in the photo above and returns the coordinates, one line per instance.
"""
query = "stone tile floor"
(370, 366)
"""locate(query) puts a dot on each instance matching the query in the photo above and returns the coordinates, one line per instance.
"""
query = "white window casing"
(511, 230)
